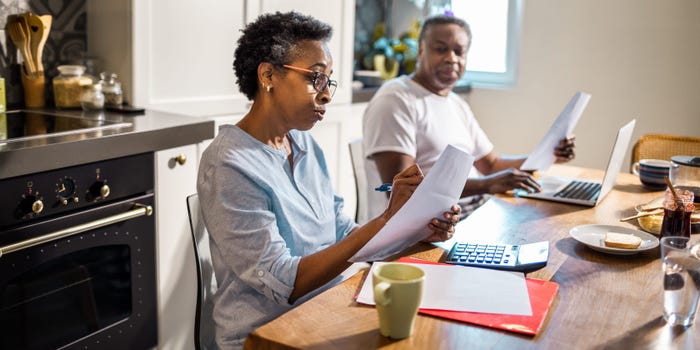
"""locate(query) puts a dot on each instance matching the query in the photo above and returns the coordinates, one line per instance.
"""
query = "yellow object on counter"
(3, 105)
(651, 223)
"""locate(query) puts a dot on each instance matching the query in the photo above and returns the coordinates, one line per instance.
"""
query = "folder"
(541, 294)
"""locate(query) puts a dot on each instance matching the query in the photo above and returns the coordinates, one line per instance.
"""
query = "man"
(411, 119)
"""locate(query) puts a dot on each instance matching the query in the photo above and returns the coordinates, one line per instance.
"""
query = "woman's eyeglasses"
(319, 80)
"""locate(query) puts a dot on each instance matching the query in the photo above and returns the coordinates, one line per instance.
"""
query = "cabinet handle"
(181, 159)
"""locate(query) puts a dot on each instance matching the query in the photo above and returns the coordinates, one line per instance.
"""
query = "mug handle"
(635, 168)
(381, 295)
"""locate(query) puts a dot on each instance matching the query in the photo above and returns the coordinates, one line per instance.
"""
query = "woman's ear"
(265, 70)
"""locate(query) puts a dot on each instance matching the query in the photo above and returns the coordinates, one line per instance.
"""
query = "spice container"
(68, 86)
(112, 89)
(92, 97)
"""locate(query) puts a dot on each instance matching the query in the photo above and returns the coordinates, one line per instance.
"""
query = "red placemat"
(541, 296)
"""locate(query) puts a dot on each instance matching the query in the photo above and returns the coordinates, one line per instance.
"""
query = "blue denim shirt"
(262, 217)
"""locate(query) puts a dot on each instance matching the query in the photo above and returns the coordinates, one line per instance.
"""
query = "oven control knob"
(31, 204)
(37, 206)
(98, 190)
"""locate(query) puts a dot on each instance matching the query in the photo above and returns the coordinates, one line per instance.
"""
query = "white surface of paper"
(543, 155)
(462, 288)
(440, 189)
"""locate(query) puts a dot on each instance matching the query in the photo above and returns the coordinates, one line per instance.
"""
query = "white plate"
(594, 235)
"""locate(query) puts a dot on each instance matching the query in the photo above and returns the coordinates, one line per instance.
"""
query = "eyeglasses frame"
(314, 78)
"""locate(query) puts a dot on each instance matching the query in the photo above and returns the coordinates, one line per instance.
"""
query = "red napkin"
(541, 296)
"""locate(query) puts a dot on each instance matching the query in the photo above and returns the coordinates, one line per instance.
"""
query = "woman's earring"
(268, 88)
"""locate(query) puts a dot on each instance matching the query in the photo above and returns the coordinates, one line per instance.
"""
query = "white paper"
(463, 288)
(440, 189)
(543, 155)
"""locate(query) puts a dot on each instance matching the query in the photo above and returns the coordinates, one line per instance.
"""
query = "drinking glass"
(680, 258)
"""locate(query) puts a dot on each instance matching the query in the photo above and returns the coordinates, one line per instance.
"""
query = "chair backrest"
(206, 281)
(369, 202)
(664, 146)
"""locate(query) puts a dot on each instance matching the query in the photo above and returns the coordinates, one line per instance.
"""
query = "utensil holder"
(34, 90)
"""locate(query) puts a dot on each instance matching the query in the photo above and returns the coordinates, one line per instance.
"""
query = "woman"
(278, 232)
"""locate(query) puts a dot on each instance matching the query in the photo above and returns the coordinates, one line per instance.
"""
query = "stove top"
(22, 125)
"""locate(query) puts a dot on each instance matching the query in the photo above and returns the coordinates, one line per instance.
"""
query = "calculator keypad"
(482, 254)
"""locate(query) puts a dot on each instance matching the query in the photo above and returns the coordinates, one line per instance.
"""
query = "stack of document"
(439, 190)
(498, 299)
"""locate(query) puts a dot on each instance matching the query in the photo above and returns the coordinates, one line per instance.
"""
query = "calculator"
(524, 257)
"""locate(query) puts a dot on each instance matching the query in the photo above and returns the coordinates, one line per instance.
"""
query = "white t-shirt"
(405, 117)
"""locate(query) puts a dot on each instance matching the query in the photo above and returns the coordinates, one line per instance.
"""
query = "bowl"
(652, 223)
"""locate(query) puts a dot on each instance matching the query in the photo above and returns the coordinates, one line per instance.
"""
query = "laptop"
(581, 191)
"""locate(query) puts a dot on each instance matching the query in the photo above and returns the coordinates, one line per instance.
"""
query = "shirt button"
(260, 273)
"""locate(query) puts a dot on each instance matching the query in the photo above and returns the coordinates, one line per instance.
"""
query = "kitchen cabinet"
(175, 169)
(177, 55)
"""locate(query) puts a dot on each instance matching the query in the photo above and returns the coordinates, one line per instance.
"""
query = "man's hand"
(565, 150)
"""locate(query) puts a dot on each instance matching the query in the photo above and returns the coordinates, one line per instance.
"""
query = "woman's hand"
(444, 229)
(565, 150)
(402, 188)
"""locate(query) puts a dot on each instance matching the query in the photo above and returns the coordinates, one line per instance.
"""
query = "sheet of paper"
(440, 189)
(543, 155)
(462, 288)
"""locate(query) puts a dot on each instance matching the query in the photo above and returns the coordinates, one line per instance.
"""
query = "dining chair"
(369, 202)
(664, 146)
(206, 281)
(358, 170)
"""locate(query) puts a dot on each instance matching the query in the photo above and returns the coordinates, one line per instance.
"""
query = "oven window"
(66, 298)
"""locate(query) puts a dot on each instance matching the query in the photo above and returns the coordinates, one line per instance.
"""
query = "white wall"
(638, 58)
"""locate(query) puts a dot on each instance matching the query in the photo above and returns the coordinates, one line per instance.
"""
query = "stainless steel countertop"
(149, 132)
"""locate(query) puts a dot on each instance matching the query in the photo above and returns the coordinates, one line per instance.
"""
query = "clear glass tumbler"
(680, 265)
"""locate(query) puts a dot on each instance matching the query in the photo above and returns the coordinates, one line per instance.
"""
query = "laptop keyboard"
(580, 190)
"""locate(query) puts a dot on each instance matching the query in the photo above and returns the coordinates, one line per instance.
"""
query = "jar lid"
(71, 69)
(96, 87)
(687, 160)
(113, 87)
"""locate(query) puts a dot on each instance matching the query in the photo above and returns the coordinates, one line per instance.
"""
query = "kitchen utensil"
(24, 27)
(39, 27)
(646, 213)
(656, 203)
(16, 30)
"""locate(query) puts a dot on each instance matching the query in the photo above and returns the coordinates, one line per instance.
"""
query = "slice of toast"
(622, 240)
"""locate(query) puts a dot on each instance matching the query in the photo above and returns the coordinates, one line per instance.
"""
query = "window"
(493, 56)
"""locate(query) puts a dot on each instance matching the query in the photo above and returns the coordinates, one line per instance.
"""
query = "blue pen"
(384, 188)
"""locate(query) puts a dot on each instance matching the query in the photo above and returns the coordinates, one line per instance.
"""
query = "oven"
(77, 257)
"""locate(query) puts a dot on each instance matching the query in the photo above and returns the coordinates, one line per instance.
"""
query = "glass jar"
(92, 97)
(685, 174)
(677, 212)
(112, 89)
(68, 86)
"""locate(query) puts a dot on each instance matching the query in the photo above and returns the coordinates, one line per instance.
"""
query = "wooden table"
(604, 301)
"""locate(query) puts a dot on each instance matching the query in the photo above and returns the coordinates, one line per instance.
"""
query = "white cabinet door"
(177, 279)
(177, 55)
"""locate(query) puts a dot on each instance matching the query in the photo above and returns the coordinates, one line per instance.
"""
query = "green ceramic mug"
(398, 290)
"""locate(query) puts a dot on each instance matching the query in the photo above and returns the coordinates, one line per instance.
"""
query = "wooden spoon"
(16, 31)
(39, 28)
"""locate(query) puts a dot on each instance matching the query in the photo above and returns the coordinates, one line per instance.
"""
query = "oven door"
(85, 280)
